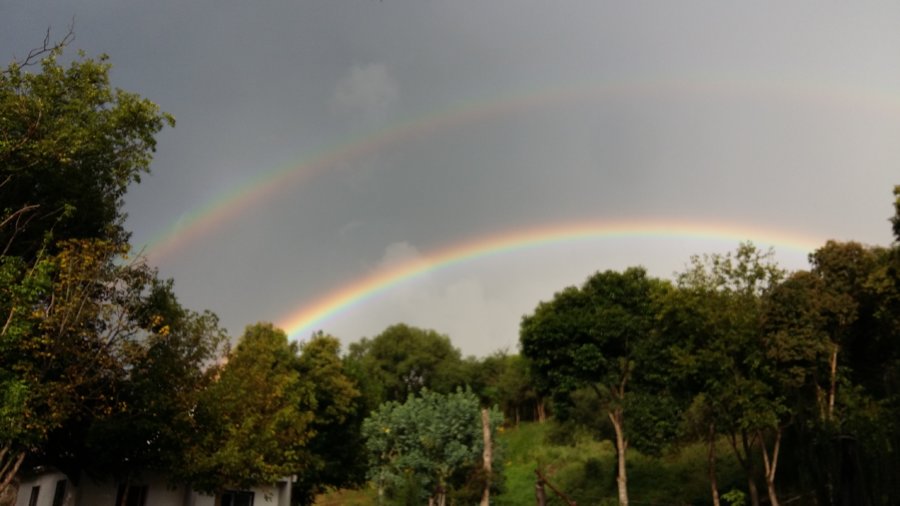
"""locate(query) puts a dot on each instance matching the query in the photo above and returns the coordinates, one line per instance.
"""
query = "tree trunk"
(711, 463)
(616, 417)
(539, 493)
(542, 480)
(541, 411)
(754, 493)
(126, 488)
(440, 496)
(10, 462)
(487, 456)
(833, 387)
(771, 465)
(744, 455)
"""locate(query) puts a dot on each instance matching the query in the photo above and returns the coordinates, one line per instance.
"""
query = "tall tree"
(69, 324)
(718, 319)
(151, 425)
(591, 337)
(852, 299)
(255, 418)
(335, 448)
(505, 380)
(402, 360)
(69, 146)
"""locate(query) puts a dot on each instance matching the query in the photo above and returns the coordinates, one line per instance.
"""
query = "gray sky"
(763, 116)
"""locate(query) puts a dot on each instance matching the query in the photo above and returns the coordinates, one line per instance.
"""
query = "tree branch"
(46, 47)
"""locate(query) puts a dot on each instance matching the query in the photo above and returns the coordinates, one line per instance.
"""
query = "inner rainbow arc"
(342, 299)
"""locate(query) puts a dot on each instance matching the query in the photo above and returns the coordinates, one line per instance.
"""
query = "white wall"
(47, 482)
(91, 492)
(103, 493)
(279, 495)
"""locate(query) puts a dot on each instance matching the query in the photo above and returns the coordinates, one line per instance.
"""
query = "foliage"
(255, 418)
(505, 380)
(403, 360)
(151, 424)
(68, 341)
(70, 144)
(596, 337)
(721, 353)
(337, 444)
(416, 448)
(584, 469)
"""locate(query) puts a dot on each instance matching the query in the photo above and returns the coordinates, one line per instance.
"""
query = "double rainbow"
(192, 227)
(211, 215)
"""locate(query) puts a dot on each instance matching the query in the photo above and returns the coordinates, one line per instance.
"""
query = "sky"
(346, 165)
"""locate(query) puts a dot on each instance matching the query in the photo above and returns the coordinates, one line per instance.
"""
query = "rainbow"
(211, 215)
(303, 322)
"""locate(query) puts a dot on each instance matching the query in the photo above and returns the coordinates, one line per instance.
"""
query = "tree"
(69, 323)
(592, 337)
(715, 319)
(505, 380)
(255, 418)
(895, 220)
(69, 147)
(417, 447)
(150, 426)
(403, 360)
(335, 448)
(850, 299)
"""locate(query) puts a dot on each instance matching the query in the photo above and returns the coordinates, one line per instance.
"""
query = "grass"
(585, 470)
(346, 497)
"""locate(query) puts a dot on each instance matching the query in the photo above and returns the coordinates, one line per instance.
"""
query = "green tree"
(334, 450)
(592, 337)
(417, 447)
(851, 301)
(68, 329)
(715, 322)
(255, 418)
(69, 146)
(403, 360)
(151, 424)
(505, 380)
(895, 220)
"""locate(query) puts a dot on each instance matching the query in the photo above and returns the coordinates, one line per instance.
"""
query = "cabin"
(50, 487)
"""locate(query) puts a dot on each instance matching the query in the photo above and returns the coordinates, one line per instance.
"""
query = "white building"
(49, 487)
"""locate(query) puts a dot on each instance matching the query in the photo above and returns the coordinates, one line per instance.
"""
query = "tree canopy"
(593, 337)
(69, 146)
(402, 360)
(423, 448)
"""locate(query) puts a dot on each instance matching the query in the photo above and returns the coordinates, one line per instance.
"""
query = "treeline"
(104, 373)
(798, 372)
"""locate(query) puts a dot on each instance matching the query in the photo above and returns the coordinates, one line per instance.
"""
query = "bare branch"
(45, 48)
(21, 211)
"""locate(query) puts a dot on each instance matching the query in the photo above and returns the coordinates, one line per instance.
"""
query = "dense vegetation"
(736, 382)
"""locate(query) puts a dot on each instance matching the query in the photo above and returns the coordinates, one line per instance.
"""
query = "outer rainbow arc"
(216, 211)
(378, 282)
